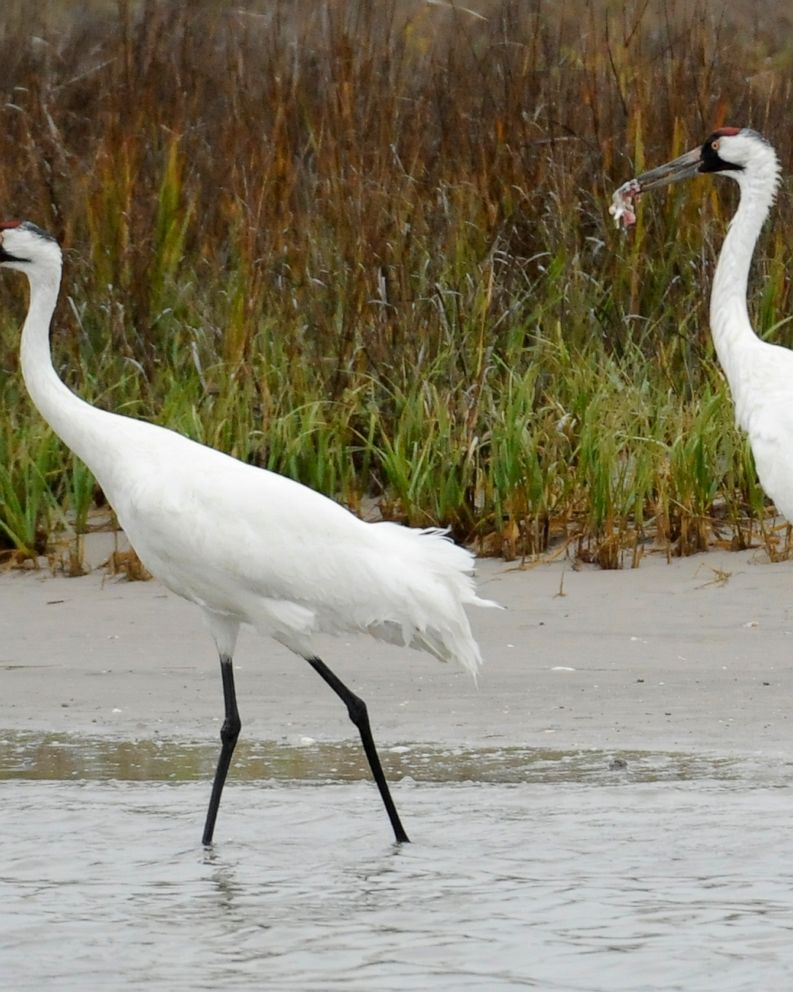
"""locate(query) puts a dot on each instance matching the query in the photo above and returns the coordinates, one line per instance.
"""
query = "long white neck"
(77, 423)
(732, 331)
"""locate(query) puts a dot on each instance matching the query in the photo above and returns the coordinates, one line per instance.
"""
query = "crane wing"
(252, 544)
(765, 410)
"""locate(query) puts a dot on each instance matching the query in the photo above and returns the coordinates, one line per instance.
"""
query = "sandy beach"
(691, 655)
(537, 860)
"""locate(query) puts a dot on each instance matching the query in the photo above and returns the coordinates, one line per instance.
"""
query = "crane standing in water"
(760, 375)
(245, 544)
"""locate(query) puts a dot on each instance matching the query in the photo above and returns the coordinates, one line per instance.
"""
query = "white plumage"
(760, 375)
(243, 543)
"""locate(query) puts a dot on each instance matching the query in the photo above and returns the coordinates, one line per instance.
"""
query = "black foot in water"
(359, 715)
(229, 733)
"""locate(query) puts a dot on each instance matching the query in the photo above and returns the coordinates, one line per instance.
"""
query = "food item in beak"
(622, 203)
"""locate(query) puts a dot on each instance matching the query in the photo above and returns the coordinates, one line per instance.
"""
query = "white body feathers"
(245, 544)
(760, 374)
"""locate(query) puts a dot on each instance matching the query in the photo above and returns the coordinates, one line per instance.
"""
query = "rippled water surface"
(528, 869)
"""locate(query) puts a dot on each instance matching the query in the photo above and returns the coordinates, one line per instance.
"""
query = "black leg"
(356, 708)
(229, 733)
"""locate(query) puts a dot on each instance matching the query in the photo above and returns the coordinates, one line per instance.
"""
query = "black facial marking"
(25, 225)
(712, 162)
(6, 256)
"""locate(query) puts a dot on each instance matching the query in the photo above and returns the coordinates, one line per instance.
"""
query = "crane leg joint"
(358, 713)
(230, 730)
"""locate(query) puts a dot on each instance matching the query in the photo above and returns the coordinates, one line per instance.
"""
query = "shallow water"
(528, 869)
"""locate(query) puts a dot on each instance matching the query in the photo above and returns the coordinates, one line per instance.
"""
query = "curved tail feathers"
(440, 583)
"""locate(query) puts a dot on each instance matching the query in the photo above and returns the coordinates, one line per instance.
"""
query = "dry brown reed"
(368, 245)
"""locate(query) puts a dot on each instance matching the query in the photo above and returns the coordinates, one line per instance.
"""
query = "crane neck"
(732, 330)
(72, 419)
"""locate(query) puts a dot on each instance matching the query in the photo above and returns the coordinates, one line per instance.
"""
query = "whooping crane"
(245, 544)
(760, 375)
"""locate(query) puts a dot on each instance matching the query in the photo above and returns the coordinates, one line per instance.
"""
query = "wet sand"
(693, 655)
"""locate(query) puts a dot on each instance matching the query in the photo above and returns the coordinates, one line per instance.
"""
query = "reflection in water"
(562, 872)
(559, 886)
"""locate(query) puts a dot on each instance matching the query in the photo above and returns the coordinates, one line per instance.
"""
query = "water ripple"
(565, 886)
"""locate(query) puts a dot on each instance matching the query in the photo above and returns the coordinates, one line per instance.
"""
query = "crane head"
(731, 151)
(25, 247)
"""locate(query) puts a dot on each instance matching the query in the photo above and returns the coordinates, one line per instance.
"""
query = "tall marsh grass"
(367, 245)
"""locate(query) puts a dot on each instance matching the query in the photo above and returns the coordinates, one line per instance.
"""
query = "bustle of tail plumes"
(437, 575)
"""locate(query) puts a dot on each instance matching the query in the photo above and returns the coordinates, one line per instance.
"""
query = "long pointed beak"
(680, 168)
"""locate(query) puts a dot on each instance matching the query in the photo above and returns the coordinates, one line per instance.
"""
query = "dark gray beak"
(680, 168)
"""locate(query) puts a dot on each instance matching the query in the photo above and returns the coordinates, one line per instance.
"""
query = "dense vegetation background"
(367, 245)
